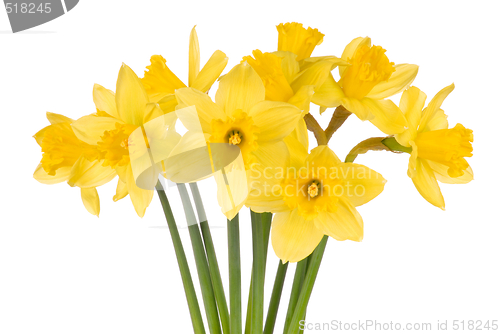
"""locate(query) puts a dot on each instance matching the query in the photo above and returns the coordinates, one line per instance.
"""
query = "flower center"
(235, 137)
(448, 147)
(237, 130)
(369, 67)
(114, 145)
(313, 189)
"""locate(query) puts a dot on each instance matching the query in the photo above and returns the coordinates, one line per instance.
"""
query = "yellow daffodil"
(280, 71)
(67, 158)
(160, 82)
(365, 83)
(126, 112)
(240, 117)
(438, 153)
(315, 196)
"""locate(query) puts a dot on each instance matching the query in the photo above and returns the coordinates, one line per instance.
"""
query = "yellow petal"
(411, 104)
(289, 64)
(88, 174)
(141, 198)
(302, 99)
(168, 103)
(351, 48)
(437, 122)
(162, 139)
(301, 134)
(194, 56)
(210, 72)
(360, 183)
(293, 238)
(62, 174)
(265, 178)
(104, 99)
(121, 191)
(89, 129)
(298, 152)
(206, 109)
(412, 164)
(399, 81)
(388, 117)
(329, 94)
(426, 183)
(363, 111)
(314, 75)
(131, 97)
(240, 89)
(40, 135)
(159, 79)
(344, 224)
(190, 160)
(441, 173)
(434, 106)
(323, 156)
(58, 118)
(232, 189)
(90, 199)
(275, 120)
(152, 111)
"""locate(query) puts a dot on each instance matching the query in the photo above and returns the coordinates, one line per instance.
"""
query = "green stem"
(200, 257)
(376, 144)
(233, 240)
(259, 265)
(307, 286)
(272, 311)
(213, 264)
(266, 218)
(298, 279)
(249, 306)
(187, 281)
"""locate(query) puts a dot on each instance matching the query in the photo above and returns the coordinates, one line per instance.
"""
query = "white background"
(65, 271)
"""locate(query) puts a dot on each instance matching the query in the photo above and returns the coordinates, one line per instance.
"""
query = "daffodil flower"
(126, 111)
(438, 153)
(240, 117)
(365, 83)
(160, 82)
(68, 159)
(281, 72)
(315, 195)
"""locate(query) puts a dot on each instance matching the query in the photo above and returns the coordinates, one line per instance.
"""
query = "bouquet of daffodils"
(252, 138)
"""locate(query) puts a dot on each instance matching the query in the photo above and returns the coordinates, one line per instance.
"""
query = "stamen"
(313, 189)
(235, 137)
